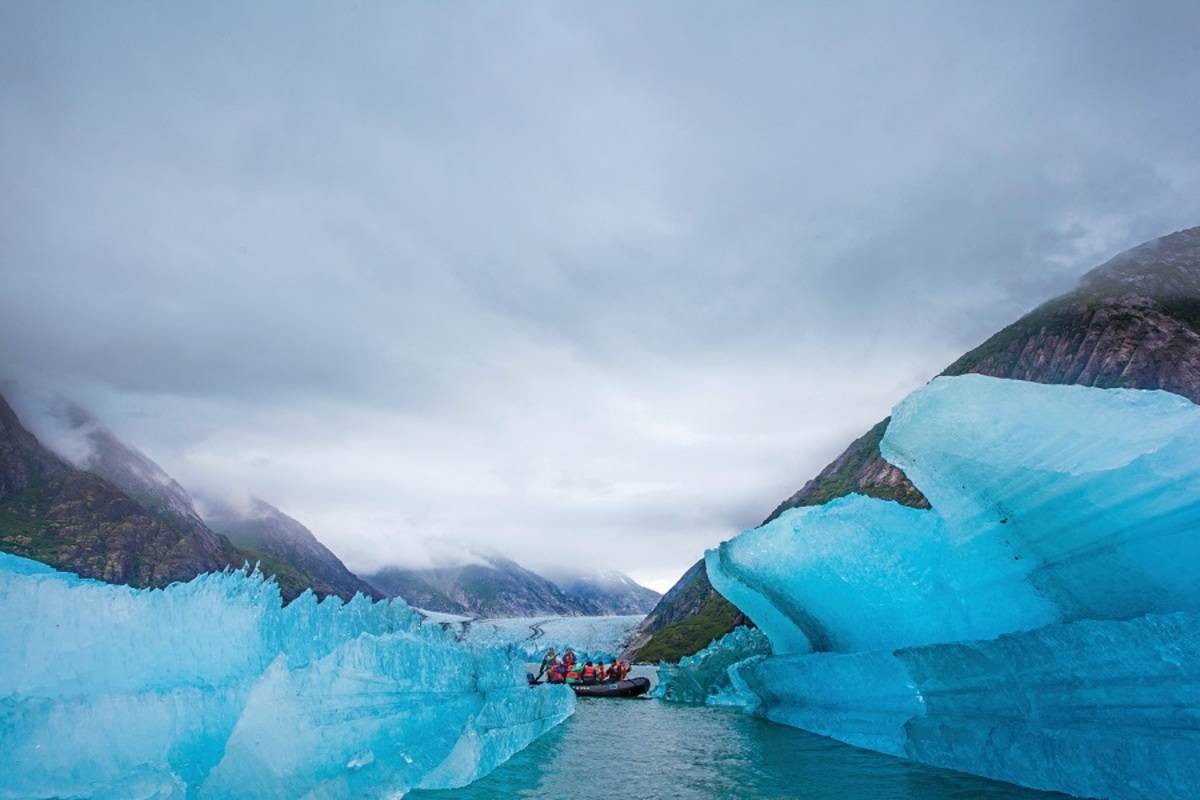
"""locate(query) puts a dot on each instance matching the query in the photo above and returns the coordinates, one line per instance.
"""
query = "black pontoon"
(630, 687)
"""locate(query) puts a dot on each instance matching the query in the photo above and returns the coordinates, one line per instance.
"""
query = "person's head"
(589, 663)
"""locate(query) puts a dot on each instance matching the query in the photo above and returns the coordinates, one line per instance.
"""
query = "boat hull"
(626, 688)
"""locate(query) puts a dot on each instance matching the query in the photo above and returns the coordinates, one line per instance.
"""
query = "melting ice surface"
(212, 689)
(1039, 625)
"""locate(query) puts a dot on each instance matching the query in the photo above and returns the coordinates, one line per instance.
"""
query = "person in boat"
(557, 673)
(601, 672)
(569, 659)
(548, 662)
(589, 674)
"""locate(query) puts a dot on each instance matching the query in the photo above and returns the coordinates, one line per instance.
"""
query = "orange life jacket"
(589, 672)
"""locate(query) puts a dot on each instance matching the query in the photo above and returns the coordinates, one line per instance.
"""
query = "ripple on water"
(645, 750)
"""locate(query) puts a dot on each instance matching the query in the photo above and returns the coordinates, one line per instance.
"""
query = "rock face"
(119, 517)
(1132, 322)
(129, 469)
(80, 522)
(264, 530)
(23, 461)
(689, 616)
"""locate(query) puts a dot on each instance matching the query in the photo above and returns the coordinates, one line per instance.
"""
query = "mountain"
(264, 530)
(1132, 322)
(690, 615)
(127, 468)
(609, 592)
(78, 521)
(491, 586)
(117, 516)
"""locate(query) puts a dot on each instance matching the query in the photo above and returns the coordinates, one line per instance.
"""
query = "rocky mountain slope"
(264, 530)
(117, 516)
(690, 612)
(607, 591)
(1132, 322)
(493, 586)
(78, 521)
(100, 452)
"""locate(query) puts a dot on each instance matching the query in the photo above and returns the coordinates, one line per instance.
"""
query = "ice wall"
(704, 677)
(213, 689)
(1050, 505)
(1096, 708)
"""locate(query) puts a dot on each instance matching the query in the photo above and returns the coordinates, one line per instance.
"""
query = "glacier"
(214, 689)
(1039, 624)
(594, 638)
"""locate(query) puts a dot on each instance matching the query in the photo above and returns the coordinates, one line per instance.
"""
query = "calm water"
(645, 750)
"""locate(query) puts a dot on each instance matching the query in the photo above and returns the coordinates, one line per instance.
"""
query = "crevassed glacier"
(1038, 625)
(213, 689)
(529, 637)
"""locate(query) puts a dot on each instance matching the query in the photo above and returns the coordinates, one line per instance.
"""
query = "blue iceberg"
(705, 678)
(1040, 624)
(213, 689)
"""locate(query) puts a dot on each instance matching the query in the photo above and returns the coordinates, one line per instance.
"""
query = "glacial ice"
(213, 689)
(1040, 624)
(529, 637)
(705, 678)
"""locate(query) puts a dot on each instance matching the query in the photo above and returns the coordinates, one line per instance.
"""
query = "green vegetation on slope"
(716, 618)
(24, 523)
(29, 528)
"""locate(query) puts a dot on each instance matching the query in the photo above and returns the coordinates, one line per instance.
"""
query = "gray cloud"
(522, 275)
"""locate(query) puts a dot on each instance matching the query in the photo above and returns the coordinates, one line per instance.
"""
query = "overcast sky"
(546, 276)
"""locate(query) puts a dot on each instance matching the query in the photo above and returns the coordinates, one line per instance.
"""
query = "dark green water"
(645, 750)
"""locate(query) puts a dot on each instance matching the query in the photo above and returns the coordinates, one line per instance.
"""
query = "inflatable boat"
(631, 687)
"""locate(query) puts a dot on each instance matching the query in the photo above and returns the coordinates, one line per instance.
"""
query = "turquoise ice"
(706, 678)
(1039, 624)
(213, 689)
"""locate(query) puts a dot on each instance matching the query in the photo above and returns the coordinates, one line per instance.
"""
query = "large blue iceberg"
(213, 689)
(1040, 624)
